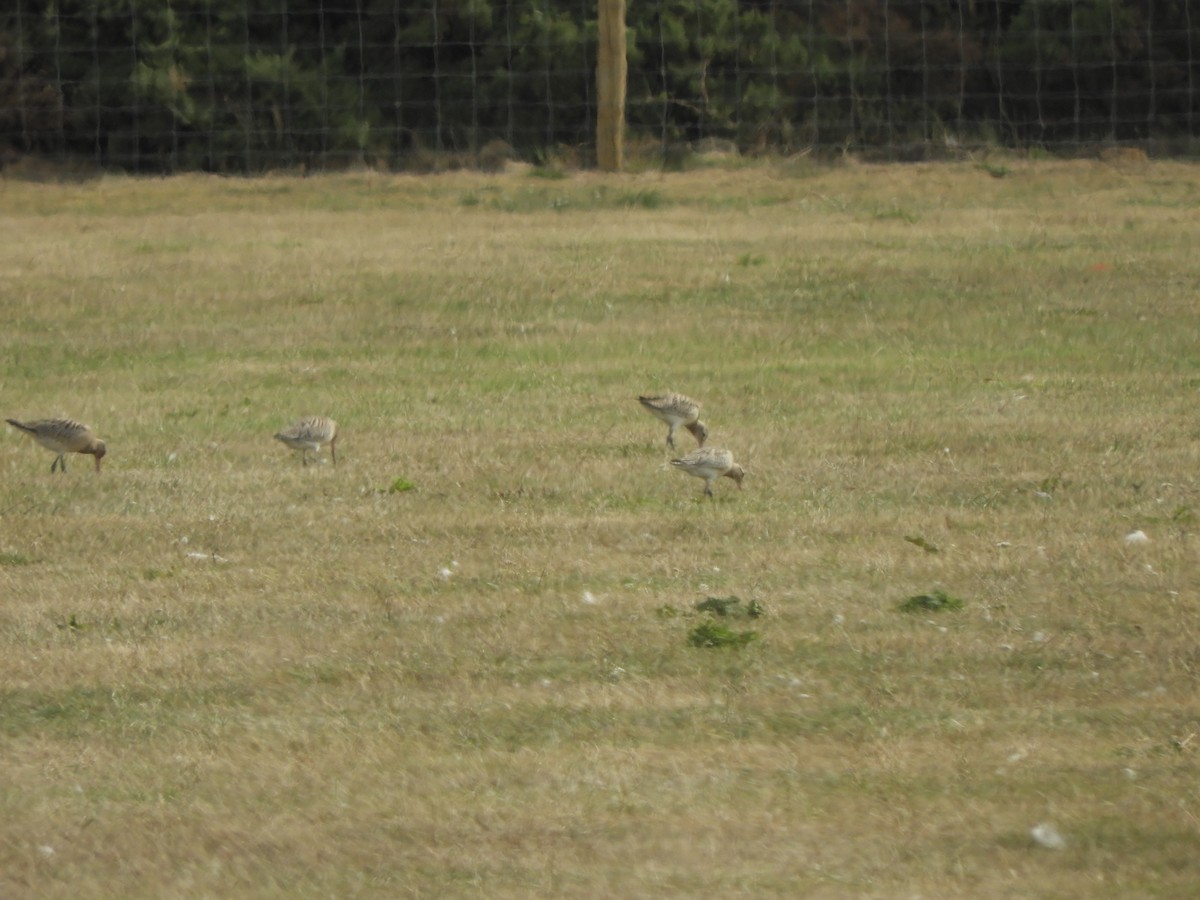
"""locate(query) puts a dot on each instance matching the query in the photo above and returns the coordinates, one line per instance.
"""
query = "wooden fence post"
(610, 85)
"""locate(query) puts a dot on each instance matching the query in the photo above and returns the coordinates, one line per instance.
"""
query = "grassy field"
(462, 661)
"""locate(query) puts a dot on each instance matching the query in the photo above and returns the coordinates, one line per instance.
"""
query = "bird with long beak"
(676, 410)
(710, 463)
(63, 436)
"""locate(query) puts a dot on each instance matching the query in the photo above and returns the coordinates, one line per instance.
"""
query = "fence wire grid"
(247, 86)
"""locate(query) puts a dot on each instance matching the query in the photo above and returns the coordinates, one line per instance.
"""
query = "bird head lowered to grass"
(63, 436)
(675, 410)
(311, 434)
(710, 463)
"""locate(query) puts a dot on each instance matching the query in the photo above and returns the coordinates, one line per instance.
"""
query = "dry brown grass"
(226, 675)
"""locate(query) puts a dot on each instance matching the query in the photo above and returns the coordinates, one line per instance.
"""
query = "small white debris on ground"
(209, 556)
(1137, 537)
(1047, 836)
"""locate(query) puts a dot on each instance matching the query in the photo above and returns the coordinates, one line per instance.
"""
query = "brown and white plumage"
(63, 436)
(676, 410)
(311, 433)
(710, 463)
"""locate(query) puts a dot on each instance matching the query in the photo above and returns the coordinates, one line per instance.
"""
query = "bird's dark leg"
(59, 462)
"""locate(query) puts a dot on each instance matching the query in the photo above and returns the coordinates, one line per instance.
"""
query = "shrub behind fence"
(248, 85)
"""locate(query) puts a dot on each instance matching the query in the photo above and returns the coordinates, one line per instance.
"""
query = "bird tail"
(15, 424)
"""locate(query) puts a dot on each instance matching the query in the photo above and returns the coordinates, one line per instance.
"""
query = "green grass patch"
(716, 634)
(935, 601)
(730, 607)
(400, 485)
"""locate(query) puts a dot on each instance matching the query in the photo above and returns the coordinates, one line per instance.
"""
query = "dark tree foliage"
(246, 85)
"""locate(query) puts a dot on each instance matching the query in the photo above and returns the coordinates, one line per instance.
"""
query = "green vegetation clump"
(715, 634)
(730, 606)
(73, 623)
(918, 541)
(934, 601)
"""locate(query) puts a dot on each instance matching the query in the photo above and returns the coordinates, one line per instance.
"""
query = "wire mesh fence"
(251, 85)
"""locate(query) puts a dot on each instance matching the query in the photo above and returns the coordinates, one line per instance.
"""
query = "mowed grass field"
(460, 663)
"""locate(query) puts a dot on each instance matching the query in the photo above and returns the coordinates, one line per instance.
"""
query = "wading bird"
(676, 410)
(311, 433)
(63, 436)
(710, 463)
